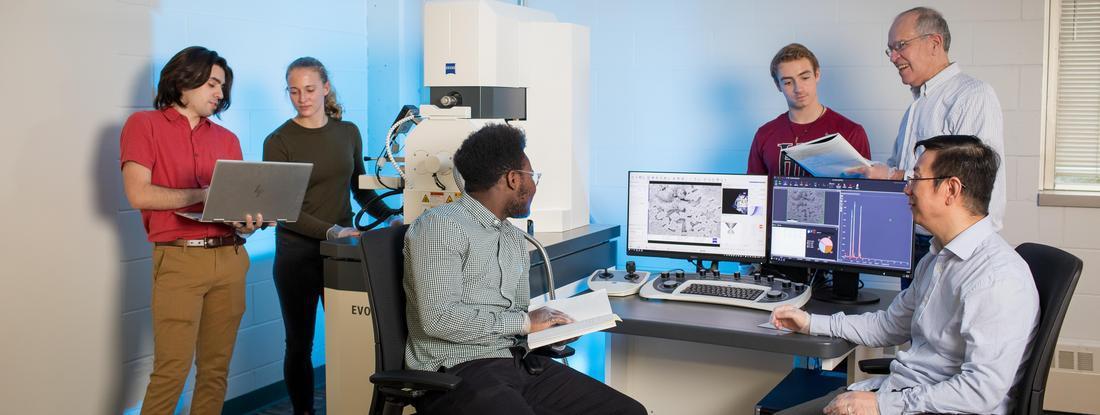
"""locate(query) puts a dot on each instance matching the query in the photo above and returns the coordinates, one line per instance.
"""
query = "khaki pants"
(198, 300)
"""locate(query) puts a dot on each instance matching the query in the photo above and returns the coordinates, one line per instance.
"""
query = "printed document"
(828, 156)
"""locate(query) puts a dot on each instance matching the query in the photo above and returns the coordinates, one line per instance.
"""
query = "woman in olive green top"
(315, 135)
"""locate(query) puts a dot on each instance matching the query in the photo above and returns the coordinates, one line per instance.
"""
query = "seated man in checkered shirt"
(466, 280)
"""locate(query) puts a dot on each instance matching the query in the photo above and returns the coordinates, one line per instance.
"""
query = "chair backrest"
(1056, 273)
(384, 269)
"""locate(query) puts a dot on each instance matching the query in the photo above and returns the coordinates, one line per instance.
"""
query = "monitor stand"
(845, 290)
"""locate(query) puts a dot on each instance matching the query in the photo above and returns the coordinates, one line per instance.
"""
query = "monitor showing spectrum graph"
(854, 225)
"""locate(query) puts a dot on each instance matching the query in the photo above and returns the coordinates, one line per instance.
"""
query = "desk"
(692, 358)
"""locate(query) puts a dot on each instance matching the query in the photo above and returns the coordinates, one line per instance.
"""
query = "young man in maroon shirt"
(796, 72)
(167, 160)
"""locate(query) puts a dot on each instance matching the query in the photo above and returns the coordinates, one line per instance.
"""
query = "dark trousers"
(921, 245)
(503, 386)
(298, 272)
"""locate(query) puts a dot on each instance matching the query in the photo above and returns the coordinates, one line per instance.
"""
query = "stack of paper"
(591, 312)
(828, 156)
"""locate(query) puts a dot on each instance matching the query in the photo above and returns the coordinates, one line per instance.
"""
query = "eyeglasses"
(534, 175)
(910, 179)
(902, 44)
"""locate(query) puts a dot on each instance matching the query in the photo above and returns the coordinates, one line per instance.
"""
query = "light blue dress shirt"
(971, 314)
(954, 103)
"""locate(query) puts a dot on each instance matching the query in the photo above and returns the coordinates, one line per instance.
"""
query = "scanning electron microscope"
(484, 62)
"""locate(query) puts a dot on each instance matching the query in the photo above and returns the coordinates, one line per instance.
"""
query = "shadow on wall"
(135, 281)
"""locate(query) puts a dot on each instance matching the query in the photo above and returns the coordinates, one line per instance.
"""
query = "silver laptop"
(238, 188)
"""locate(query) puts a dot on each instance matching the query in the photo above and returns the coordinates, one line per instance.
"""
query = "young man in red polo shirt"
(199, 268)
(796, 72)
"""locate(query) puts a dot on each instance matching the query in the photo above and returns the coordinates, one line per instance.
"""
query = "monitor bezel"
(836, 266)
(705, 257)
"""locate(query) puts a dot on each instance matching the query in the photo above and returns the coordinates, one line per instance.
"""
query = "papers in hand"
(591, 312)
(828, 156)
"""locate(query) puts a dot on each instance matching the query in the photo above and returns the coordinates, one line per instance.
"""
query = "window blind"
(1077, 103)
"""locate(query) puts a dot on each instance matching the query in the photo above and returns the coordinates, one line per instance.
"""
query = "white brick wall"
(676, 85)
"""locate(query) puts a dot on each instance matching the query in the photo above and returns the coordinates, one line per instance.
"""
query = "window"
(1072, 108)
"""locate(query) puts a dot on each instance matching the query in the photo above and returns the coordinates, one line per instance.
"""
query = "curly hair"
(187, 70)
(489, 153)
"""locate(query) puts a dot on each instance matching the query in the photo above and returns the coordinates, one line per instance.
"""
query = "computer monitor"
(697, 216)
(845, 225)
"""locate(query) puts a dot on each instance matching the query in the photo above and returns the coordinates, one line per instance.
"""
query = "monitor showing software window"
(720, 217)
(852, 225)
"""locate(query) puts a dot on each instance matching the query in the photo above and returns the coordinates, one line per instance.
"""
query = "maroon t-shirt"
(765, 156)
(179, 158)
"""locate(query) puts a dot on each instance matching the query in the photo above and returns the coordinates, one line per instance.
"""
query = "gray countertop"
(732, 326)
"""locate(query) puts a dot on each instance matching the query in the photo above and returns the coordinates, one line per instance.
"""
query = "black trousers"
(503, 386)
(299, 280)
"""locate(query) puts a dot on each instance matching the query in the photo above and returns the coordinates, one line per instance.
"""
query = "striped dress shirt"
(971, 314)
(954, 103)
(466, 283)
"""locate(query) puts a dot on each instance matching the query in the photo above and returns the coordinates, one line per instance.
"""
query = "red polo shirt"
(180, 158)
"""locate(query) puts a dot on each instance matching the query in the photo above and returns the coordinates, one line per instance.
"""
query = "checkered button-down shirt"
(467, 287)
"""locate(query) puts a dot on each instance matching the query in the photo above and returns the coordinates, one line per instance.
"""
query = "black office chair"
(383, 268)
(1056, 273)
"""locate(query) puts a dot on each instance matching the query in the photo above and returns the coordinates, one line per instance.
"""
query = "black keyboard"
(723, 291)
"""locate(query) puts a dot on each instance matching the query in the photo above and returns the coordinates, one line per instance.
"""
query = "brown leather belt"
(211, 242)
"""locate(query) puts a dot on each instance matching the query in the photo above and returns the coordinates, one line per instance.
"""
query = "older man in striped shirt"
(945, 102)
(468, 290)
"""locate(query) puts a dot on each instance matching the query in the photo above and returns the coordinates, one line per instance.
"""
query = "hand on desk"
(853, 403)
(791, 318)
(546, 317)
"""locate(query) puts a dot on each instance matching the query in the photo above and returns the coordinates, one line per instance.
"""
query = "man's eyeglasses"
(534, 175)
(902, 44)
(910, 179)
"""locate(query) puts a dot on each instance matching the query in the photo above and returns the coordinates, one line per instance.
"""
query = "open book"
(828, 156)
(591, 312)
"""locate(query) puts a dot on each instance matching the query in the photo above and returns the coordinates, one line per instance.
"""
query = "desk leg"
(677, 377)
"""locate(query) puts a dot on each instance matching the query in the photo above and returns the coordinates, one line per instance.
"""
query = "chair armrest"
(549, 351)
(876, 366)
(416, 379)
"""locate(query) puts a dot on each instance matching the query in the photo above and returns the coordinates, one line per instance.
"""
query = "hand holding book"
(585, 314)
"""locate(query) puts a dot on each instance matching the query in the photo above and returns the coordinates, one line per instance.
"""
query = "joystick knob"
(737, 275)
(665, 275)
(756, 277)
(679, 275)
(770, 278)
(784, 283)
(630, 268)
(606, 273)
(798, 286)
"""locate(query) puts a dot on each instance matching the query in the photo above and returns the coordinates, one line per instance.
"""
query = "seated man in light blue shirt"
(971, 312)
